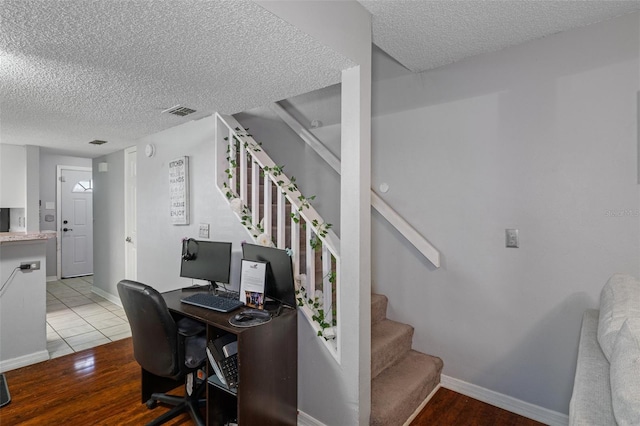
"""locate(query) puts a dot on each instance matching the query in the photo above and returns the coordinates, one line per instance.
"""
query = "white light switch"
(511, 238)
(204, 230)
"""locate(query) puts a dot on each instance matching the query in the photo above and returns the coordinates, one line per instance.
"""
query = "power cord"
(231, 294)
(10, 277)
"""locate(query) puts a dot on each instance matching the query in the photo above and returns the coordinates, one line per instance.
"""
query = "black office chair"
(165, 348)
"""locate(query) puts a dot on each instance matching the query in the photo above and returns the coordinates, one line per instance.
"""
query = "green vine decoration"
(245, 215)
(290, 188)
(316, 306)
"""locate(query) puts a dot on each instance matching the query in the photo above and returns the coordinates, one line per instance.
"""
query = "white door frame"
(59, 170)
(131, 266)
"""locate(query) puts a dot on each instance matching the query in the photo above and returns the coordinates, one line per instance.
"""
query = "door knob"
(128, 239)
(67, 229)
(65, 221)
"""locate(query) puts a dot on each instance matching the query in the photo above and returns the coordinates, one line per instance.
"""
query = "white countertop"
(9, 237)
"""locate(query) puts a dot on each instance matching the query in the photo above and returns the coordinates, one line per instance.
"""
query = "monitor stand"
(196, 287)
(273, 306)
(222, 292)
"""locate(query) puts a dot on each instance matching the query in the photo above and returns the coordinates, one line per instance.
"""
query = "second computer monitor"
(206, 260)
(279, 285)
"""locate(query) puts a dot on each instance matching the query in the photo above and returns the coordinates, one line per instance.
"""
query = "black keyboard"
(211, 301)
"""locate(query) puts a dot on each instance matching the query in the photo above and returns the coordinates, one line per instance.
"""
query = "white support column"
(355, 225)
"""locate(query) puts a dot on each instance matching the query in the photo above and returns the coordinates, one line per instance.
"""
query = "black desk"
(267, 393)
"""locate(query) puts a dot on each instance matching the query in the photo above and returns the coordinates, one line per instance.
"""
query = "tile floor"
(78, 319)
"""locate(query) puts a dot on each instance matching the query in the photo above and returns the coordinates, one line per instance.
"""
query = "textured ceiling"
(72, 71)
(78, 70)
(427, 34)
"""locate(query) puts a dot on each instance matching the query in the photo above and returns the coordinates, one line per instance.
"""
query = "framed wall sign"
(179, 190)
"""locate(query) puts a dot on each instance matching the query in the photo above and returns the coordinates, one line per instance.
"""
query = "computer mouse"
(251, 314)
(242, 317)
(257, 313)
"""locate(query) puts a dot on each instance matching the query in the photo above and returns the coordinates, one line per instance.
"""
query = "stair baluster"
(251, 179)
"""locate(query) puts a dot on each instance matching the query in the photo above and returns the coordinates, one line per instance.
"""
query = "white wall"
(13, 187)
(23, 337)
(539, 137)
(159, 242)
(108, 224)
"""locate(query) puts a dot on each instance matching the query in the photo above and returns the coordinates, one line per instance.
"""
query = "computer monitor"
(279, 284)
(206, 260)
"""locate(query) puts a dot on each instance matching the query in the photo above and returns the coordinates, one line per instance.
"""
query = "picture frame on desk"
(253, 276)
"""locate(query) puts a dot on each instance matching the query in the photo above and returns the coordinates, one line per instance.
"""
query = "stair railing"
(409, 232)
(275, 213)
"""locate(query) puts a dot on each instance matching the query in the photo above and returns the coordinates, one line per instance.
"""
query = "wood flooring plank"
(98, 386)
(448, 408)
(101, 386)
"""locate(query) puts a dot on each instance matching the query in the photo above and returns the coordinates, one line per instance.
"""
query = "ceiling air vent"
(179, 111)
(97, 142)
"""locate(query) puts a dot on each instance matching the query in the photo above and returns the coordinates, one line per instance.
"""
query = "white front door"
(76, 222)
(130, 210)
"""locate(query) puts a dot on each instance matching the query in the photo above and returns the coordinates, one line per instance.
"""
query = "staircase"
(401, 378)
(274, 212)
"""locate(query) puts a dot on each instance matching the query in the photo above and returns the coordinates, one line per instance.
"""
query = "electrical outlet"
(512, 238)
(204, 230)
(34, 265)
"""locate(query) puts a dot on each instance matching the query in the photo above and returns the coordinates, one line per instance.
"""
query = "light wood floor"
(101, 386)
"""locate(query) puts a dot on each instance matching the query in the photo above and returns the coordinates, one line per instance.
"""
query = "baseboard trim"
(52, 278)
(110, 297)
(23, 361)
(306, 420)
(525, 409)
(422, 405)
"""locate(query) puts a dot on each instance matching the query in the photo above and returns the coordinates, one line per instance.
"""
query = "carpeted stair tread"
(378, 308)
(399, 390)
(390, 341)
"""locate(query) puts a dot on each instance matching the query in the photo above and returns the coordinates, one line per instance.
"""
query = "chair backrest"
(153, 329)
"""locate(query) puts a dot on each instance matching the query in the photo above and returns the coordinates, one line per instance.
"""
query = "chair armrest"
(188, 327)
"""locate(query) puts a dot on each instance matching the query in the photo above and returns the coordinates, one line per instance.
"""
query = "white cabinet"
(13, 176)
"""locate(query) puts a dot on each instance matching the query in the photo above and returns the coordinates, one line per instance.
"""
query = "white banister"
(409, 232)
(248, 185)
(413, 236)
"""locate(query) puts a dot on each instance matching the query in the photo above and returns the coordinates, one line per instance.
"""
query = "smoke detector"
(97, 142)
(179, 111)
